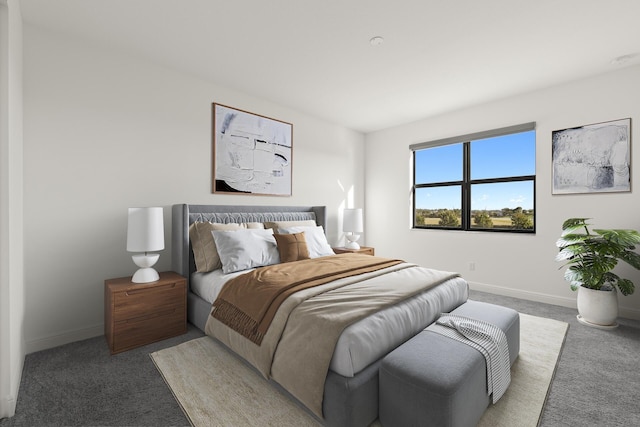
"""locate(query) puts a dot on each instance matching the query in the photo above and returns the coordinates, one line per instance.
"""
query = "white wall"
(509, 264)
(12, 348)
(104, 132)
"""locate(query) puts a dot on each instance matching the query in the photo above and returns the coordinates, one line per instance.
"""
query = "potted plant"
(590, 257)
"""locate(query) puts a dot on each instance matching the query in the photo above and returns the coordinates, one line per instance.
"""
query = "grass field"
(497, 222)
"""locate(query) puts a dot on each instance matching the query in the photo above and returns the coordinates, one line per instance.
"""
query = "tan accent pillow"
(205, 253)
(292, 247)
(286, 224)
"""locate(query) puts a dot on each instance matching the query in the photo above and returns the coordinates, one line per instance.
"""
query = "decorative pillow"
(276, 225)
(246, 248)
(204, 249)
(315, 238)
(292, 247)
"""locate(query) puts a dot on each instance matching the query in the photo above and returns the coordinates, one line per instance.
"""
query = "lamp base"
(352, 245)
(352, 238)
(145, 274)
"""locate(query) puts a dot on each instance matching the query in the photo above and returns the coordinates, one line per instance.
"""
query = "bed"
(349, 394)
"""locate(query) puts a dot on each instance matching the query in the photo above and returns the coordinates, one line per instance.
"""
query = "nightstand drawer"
(146, 329)
(135, 301)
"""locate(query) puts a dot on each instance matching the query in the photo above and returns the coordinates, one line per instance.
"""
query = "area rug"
(215, 388)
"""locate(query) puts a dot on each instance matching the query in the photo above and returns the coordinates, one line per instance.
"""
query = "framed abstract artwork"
(593, 158)
(252, 154)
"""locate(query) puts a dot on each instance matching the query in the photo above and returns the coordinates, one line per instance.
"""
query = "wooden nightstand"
(136, 314)
(363, 250)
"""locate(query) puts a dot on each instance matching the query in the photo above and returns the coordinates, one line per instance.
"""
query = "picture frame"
(252, 154)
(594, 158)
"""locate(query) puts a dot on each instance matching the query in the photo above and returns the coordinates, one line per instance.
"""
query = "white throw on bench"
(489, 340)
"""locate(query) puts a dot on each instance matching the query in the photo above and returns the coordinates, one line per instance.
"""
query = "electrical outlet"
(472, 266)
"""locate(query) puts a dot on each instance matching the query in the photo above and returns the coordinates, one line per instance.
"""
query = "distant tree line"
(519, 218)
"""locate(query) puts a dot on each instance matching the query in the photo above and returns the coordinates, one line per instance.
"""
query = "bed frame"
(348, 401)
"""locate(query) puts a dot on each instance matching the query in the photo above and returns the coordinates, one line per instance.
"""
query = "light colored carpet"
(215, 388)
(541, 341)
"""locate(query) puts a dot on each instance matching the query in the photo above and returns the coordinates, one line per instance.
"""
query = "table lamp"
(145, 233)
(352, 224)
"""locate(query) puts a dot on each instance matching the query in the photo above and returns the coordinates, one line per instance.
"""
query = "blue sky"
(503, 156)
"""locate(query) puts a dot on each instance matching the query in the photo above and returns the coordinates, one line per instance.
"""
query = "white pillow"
(243, 249)
(315, 238)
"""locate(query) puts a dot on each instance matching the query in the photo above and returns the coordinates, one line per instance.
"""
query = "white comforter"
(369, 339)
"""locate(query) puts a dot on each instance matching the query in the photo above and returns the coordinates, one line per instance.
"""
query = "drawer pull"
(138, 291)
(151, 316)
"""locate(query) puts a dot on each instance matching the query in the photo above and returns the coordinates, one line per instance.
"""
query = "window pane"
(438, 206)
(505, 205)
(504, 156)
(439, 164)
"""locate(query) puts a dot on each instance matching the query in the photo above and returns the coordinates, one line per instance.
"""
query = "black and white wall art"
(593, 158)
(252, 154)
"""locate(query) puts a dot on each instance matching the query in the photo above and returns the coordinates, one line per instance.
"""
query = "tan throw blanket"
(248, 303)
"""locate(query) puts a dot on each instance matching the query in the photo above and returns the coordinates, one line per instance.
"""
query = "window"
(484, 181)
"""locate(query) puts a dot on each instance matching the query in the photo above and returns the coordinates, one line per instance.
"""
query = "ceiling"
(315, 56)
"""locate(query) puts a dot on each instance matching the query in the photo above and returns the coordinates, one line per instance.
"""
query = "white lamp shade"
(352, 221)
(145, 230)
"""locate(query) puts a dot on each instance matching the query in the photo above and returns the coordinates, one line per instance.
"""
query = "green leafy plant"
(448, 218)
(590, 256)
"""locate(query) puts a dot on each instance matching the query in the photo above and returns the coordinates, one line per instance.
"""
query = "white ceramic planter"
(598, 308)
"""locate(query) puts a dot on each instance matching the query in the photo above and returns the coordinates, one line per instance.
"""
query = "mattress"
(367, 340)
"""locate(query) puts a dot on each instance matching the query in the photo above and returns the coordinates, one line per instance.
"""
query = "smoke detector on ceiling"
(376, 41)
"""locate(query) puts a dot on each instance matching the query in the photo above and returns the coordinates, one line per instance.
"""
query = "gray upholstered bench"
(433, 380)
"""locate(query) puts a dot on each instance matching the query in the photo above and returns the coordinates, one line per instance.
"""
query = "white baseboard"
(528, 295)
(8, 402)
(96, 330)
(624, 312)
(7, 406)
(629, 313)
(63, 338)
(12, 387)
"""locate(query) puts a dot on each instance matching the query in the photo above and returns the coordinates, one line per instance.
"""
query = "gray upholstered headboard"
(183, 215)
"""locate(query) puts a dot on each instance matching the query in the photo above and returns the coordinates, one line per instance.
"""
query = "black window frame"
(466, 183)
